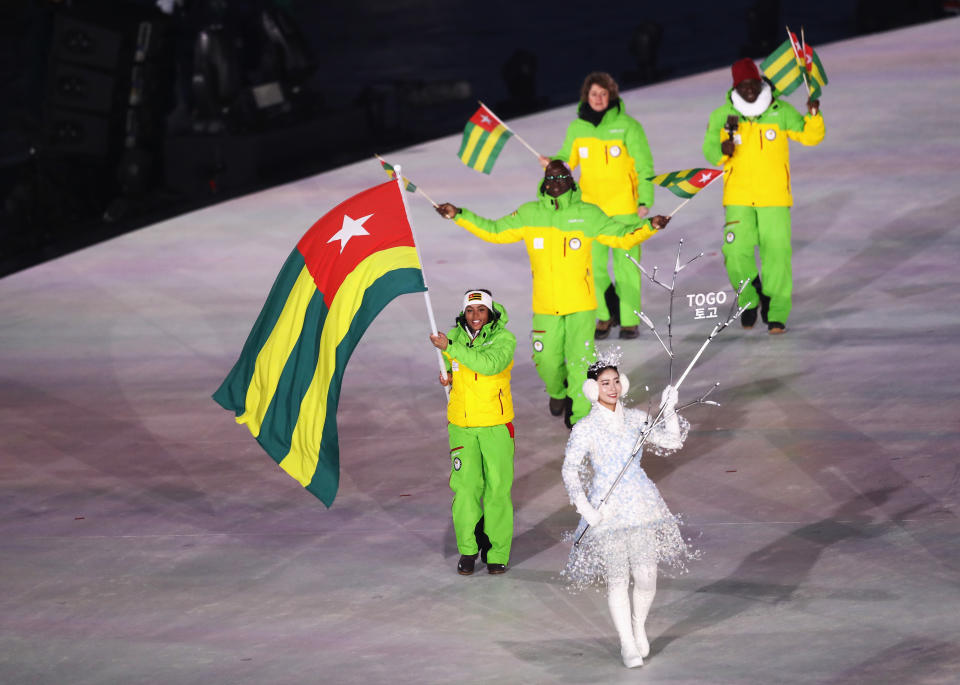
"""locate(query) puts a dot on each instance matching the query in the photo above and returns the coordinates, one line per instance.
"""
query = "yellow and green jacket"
(614, 159)
(758, 173)
(558, 233)
(480, 367)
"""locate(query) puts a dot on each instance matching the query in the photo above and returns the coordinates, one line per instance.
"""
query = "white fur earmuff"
(591, 389)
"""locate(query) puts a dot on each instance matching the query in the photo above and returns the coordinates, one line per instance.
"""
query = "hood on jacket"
(572, 195)
(498, 319)
(588, 114)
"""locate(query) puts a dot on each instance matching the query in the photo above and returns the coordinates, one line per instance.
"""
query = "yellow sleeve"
(813, 130)
(508, 229)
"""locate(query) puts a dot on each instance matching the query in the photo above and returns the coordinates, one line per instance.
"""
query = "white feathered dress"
(637, 524)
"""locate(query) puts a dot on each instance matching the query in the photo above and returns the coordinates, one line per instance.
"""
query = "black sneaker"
(568, 413)
(748, 318)
(496, 569)
(466, 564)
(602, 331)
(629, 332)
(776, 328)
(557, 405)
(764, 299)
(483, 542)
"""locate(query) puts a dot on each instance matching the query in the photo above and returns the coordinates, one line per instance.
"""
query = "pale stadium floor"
(147, 538)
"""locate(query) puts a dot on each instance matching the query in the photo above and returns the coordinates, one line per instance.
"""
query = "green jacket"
(758, 173)
(558, 233)
(480, 394)
(614, 159)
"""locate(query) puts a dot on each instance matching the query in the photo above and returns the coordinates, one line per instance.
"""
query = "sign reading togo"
(704, 304)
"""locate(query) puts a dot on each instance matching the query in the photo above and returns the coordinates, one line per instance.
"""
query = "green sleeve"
(487, 360)
(451, 335)
(639, 149)
(712, 138)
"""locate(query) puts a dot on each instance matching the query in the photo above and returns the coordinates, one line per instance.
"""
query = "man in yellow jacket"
(479, 353)
(749, 135)
(558, 231)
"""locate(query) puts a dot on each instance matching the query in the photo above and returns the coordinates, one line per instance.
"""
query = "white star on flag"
(485, 119)
(351, 227)
(705, 177)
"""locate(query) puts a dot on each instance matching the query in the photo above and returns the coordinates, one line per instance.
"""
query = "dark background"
(115, 115)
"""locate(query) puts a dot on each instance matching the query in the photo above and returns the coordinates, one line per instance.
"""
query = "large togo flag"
(483, 138)
(686, 183)
(286, 385)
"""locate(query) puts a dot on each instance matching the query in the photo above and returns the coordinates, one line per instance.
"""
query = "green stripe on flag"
(232, 393)
(284, 410)
(475, 153)
(378, 295)
(471, 132)
(491, 157)
(782, 70)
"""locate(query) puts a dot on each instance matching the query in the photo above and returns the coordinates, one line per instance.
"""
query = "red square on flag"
(484, 118)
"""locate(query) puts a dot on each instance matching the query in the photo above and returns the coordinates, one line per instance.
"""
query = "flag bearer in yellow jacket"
(615, 162)
(749, 135)
(479, 353)
(558, 231)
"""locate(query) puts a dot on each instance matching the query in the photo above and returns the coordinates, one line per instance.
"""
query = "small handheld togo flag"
(407, 183)
(483, 138)
(686, 183)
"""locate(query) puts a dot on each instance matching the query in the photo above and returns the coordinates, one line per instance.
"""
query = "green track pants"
(768, 228)
(627, 275)
(562, 351)
(481, 476)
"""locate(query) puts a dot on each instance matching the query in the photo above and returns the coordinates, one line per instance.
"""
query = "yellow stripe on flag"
(471, 143)
(301, 461)
(689, 187)
(274, 354)
(781, 62)
(488, 147)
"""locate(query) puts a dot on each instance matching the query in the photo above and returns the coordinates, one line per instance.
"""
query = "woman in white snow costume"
(633, 531)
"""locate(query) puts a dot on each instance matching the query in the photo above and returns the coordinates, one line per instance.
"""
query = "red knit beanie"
(744, 69)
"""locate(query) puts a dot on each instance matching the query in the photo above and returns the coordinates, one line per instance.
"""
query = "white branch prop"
(644, 272)
(638, 447)
(649, 324)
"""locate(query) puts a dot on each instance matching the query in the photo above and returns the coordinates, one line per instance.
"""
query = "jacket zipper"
(500, 397)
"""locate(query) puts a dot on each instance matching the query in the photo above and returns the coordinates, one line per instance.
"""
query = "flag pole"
(418, 190)
(693, 196)
(803, 46)
(799, 58)
(521, 140)
(426, 293)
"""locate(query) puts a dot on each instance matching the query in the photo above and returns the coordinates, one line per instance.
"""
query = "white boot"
(618, 599)
(639, 631)
(644, 589)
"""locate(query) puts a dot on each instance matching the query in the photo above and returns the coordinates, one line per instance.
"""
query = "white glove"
(592, 516)
(668, 400)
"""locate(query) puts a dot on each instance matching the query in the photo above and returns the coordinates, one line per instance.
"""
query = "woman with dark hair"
(632, 531)
(614, 157)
